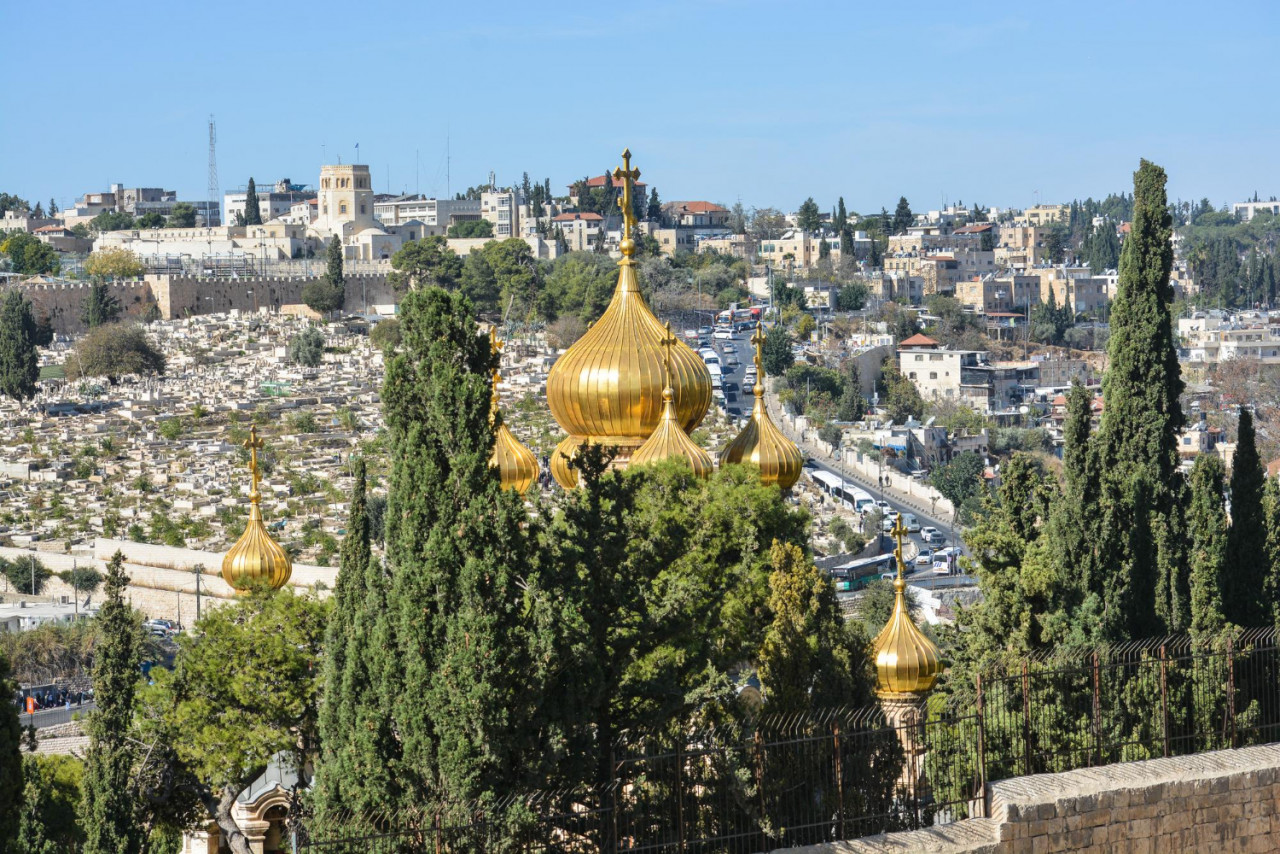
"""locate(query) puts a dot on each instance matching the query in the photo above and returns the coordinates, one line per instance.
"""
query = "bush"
(112, 351)
(307, 348)
(385, 335)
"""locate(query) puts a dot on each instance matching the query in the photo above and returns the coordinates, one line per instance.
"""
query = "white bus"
(841, 489)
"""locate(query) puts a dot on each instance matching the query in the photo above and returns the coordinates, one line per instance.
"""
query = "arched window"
(342, 208)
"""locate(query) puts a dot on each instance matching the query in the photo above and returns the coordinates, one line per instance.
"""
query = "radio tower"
(214, 196)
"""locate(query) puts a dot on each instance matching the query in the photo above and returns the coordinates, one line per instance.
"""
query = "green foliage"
(900, 398)
(1247, 537)
(429, 261)
(581, 284)
(27, 574)
(84, 579)
(471, 228)
(224, 724)
(19, 364)
(10, 202)
(113, 351)
(902, 217)
(1049, 322)
(100, 306)
(775, 355)
(106, 808)
(809, 218)
(328, 293)
(960, 479)
(150, 219)
(852, 405)
(49, 799)
(954, 327)
(28, 255)
(307, 347)
(252, 213)
(303, 423)
(385, 335)
(1207, 531)
(172, 429)
(112, 221)
(114, 264)
(11, 770)
(183, 215)
(1101, 249)
(853, 296)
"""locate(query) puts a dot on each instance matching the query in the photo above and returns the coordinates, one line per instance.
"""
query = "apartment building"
(997, 294)
(1047, 214)
(274, 202)
(436, 214)
(964, 376)
(502, 208)
(1244, 211)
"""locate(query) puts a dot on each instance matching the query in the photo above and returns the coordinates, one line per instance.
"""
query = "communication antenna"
(214, 196)
(448, 164)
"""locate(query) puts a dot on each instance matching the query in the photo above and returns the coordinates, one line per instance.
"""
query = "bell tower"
(346, 200)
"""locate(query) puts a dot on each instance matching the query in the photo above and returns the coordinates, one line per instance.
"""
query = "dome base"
(568, 448)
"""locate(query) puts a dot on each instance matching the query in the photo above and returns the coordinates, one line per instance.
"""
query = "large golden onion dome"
(761, 443)
(668, 440)
(256, 558)
(906, 661)
(607, 387)
(517, 466)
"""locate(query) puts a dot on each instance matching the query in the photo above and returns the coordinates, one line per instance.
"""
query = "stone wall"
(1228, 800)
(182, 296)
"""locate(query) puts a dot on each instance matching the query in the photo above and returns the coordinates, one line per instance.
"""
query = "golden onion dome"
(668, 440)
(607, 387)
(761, 443)
(906, 661)
(517, 466)
(256, 557)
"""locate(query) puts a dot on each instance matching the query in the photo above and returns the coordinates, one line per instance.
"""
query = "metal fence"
(841, 774)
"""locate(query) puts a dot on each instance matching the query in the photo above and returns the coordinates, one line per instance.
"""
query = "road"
(56, 715)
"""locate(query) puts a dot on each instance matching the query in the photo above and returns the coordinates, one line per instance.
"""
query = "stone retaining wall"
(1228, 800)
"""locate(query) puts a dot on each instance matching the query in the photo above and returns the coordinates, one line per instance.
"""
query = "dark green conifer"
(252, 214)
(1207, 532)
(11, 779)
(19, 363)
(106, 808)
(1247, 567)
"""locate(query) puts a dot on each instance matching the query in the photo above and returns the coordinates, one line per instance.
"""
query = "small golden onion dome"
(668, 440)
(517, 466)
(906, 661)
(607, 387)
(761, 442)
(256, 557)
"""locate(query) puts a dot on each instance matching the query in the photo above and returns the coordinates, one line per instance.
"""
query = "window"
(933, 375)
(342, 208)
(912, 375)
(362, 209)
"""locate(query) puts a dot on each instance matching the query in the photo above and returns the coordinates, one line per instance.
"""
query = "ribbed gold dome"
(516, 464)
(607, 387)
(668, 440)
(256, 557)
(760, 442)
(906, 661)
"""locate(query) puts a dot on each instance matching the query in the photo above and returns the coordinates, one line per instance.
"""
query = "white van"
(911, 522)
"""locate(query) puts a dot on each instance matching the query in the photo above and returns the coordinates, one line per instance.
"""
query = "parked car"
(723, 332)
(931, 534)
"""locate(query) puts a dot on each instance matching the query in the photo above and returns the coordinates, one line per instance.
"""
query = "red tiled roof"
(918, 340)
(699, 207)
(574, 217)
(599, 180)
(1125, 226)
(975, 229)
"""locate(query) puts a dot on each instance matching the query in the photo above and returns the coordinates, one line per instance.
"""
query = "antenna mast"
(214, 195)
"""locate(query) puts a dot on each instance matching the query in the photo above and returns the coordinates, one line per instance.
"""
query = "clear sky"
(998, 103)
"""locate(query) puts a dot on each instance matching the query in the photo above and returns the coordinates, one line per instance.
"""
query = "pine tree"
(1207, 532)
(902, 217)
(809, 218)
(655, 206)
(11, 777)
(328, 293)
(1137, 439)
(354, 773)
(19, 364)
(842, 216)
(1247, 539)
(252, 215)
(463, 685)
(1271, 586)
(53, 207)
(100, 306)
(106, 808)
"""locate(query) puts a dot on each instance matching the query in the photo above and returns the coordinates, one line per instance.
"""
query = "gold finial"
(907, 662)
(668, 341)
(495, 347)
(899, 531)
(254, 444)
(757, 340)
(627, 176)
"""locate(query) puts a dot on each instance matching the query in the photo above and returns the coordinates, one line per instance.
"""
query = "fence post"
(1164, 697)
(1097, 711)
(835, 740)
(982, 750)
(614, 785)
(758, 742)
(1026, 719)
(680, 791)
(1231, 688)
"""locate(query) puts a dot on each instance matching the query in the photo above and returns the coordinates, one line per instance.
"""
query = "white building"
(273, 203)
(436, 214)
(1244, 211)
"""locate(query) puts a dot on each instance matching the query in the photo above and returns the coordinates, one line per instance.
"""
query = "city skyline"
(763, 104)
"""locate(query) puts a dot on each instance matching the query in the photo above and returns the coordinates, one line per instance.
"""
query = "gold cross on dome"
(495, 346)
(899, 531)
(668, 341)
(254, 444)
(758, 340)
(627, 176)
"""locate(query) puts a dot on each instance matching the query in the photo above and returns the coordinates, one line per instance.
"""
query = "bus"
(857, 574)
(739, 317)
(842, 490)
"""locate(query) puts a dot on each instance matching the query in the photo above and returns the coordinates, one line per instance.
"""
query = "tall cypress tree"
(11, 780)
(1137, 439)
(1207, 535)
(1247, 539)
(252, 215)
(19, 364)
(106, 808)
(355, 771)
(464, 687)
(1271, 512)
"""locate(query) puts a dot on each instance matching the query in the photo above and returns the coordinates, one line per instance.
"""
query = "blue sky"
(999, 103)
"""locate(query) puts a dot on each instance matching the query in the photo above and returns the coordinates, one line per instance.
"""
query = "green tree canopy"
(112, 221)
(1247, 537)
(100, 306)
(11, 776)
(114, 350)
(252, 214)
(183, 215)
(471, 228)
(329, 292)
(307, 347)
(960, 479)
(776, 356)
(19, 363)
(902, 217)
(428, 261)
(114, 263)
(28, 255)
(808, 217)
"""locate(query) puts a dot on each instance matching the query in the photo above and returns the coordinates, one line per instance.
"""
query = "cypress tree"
(11, 779)
(106, 808)
(354, 772)
(252, 215)
(19, 364)
(1271, 511)
(463, 686)
(1207, 533)
(1137, 439)
(1247, 537)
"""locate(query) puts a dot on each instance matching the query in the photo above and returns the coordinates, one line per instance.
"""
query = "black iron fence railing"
(841, 774)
